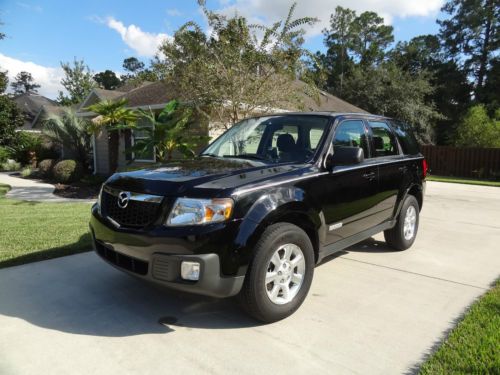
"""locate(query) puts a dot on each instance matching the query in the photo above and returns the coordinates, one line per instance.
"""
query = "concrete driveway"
(369, 310)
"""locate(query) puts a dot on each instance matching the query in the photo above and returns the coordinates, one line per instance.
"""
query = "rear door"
(347, 193)
(391, 169)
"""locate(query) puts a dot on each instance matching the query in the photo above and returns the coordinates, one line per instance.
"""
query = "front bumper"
(159, 261)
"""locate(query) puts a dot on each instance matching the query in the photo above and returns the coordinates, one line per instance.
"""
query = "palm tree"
(71, 132)
(167, 132)
(113, 117)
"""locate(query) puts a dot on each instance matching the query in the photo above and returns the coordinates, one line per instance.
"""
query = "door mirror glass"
(344, 156)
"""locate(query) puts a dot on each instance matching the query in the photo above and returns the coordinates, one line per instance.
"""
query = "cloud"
(142, 42)
(270, 11)
(47, 77)
(30, 7)
(174, 12)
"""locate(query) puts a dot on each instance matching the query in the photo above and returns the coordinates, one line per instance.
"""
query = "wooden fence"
(463, 162)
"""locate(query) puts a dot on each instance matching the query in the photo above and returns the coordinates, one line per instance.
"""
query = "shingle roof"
(154, 93)
(150, 93)
(30, 103)
(321, 101)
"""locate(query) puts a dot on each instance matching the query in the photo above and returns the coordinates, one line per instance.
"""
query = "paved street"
(369, 311)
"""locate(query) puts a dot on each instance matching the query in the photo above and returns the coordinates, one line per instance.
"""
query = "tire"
(397, 237)
(269, 301)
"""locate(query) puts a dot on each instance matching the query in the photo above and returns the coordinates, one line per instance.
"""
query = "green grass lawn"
(458, 180)
(473, 347)
(32, 231)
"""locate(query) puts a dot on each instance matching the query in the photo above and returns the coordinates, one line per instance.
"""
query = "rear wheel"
(402, 236)
(280, 274)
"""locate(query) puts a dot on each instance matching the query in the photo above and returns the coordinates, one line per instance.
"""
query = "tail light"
(425, 168)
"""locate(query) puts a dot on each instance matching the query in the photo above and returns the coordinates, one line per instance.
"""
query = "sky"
(42, 33)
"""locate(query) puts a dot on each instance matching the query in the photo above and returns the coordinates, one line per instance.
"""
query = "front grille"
(123, 261)
(137, 213)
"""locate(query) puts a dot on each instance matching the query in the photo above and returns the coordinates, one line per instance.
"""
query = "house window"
(147, 155)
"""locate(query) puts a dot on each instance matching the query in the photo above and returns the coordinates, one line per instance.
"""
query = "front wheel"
(402, 236)
(280, 274)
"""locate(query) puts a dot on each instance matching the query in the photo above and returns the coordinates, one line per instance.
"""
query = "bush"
(45, 167)
(25, 145)
(5, 154)
(477, 129)
(67, 171)
(26, 172)
(10, 165)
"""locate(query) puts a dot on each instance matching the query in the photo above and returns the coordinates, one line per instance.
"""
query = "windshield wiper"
(247, 156)
(210, 155)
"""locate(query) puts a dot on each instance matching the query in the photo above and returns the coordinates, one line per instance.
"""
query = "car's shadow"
(81, 294)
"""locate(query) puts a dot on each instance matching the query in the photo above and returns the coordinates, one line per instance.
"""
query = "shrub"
(45, 167)
(26, 172)
(67, 171)
(477, 129)
(26, 146)
(5, 153)
(10, 165)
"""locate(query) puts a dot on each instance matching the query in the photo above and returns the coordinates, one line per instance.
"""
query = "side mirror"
(344, 156)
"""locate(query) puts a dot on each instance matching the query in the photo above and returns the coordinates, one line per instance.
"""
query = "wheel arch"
(279, 206)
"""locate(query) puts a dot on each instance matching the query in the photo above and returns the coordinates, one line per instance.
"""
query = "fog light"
(190, 270)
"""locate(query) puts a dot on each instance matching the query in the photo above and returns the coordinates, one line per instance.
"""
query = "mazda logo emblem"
(123, 199)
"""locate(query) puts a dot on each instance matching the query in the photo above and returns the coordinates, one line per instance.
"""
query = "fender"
(280, 203)
(405, 194)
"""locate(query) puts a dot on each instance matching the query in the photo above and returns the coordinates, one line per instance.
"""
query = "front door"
(347, 192)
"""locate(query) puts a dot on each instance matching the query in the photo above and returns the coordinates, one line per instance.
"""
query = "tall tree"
(132, 65)
(452, 90)
(339, 39)
(230, 73)
(4, 81)
(388, 90)
(11, 118)
(371, 39)
(137, 72)
(491, 90)
(78, 81)
(24, 82)
(107, 80)
(352, 40)
(471, 34)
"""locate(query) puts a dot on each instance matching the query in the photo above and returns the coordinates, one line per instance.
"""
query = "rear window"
(405, 137)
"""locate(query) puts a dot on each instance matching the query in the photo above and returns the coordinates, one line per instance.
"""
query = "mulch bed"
(77, 191)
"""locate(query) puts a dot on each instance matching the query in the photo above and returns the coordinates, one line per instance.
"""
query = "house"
(155, 95)
(35, 107)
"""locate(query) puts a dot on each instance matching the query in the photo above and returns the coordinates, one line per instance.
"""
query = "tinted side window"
(384, 142)
(406, 138)
(351, 133)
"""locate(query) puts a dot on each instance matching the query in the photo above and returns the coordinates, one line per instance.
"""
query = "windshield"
(273, 139)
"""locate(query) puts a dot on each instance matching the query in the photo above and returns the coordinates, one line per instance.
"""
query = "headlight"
(189, 211)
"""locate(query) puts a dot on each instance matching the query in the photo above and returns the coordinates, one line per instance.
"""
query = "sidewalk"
(29, 190)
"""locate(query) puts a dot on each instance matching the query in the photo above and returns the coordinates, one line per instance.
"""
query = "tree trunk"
(483, 59)
(113, 142)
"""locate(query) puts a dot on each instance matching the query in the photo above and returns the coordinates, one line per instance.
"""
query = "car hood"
(199, 177)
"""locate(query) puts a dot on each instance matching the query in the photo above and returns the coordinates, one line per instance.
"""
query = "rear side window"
(406, 138)
(384, 141)
(351, 133)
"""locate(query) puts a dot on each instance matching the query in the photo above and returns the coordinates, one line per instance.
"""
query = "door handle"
(369, 175)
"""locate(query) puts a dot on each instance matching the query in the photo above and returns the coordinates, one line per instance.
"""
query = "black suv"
(263, 204)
